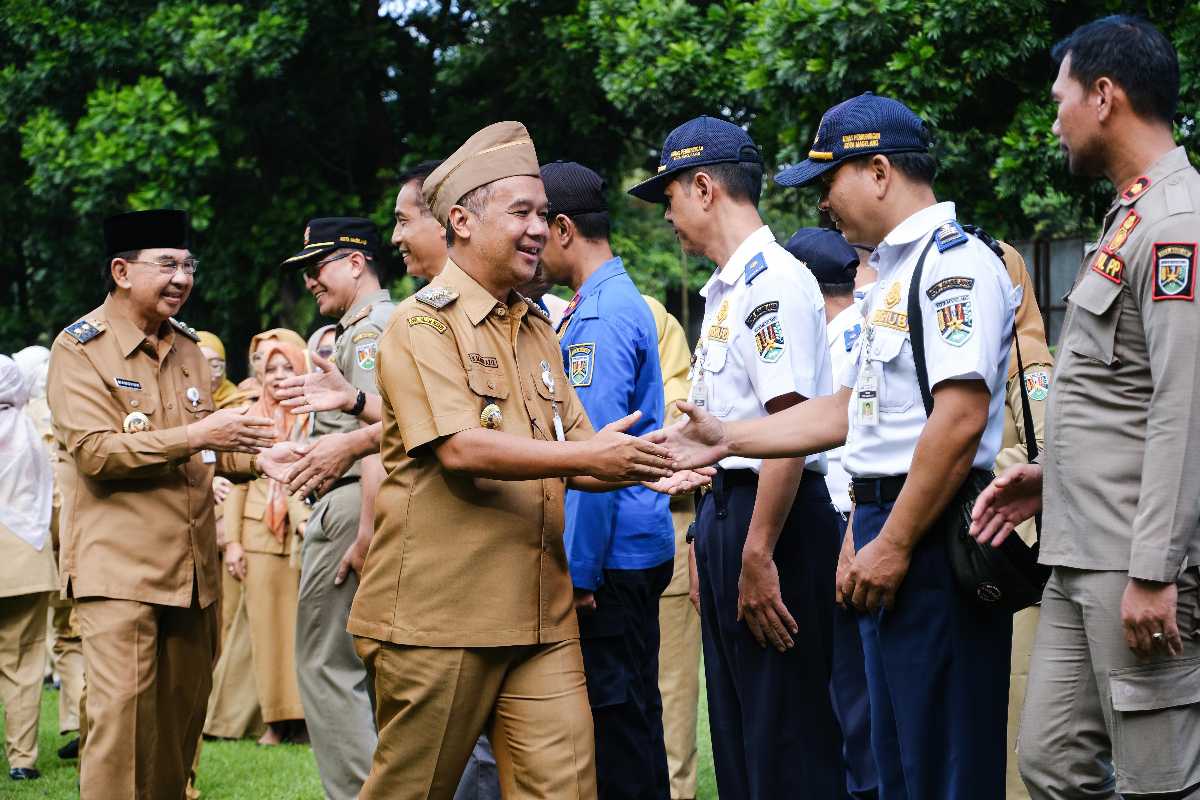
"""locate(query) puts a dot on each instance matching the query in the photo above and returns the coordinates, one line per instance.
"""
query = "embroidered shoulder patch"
(955, 319)
(83, 331)
(1122, 233)
(946, 284)
(491, 362)
(361, 315)
(436, 296)
(768, 339)
(949, 235)
(1136, 189)
(849, 337)
(1037, 383)
(760, 311)
(581, 362)
(1174, 270)
(1109, 265)
(365, 354)
(431, 322)
(755, 267)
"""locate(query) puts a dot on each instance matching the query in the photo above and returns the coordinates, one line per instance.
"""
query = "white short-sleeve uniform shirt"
(844, 333)
(967, 304)
(763, 337)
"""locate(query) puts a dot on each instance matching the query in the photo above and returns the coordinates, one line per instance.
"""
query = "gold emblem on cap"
(491, 418)
(893, 295)
(137, 422)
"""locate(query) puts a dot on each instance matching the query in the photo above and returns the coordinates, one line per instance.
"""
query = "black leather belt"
(345, 480)
(876, 490)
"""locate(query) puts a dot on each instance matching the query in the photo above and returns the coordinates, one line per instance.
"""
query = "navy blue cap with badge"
(697, 143)
(826, 253)
(324, 235)
(860, 126)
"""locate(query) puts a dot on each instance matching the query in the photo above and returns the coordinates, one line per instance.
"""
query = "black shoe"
(24, 774)
(69, 750)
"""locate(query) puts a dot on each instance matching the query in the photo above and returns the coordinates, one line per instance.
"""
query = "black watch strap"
(360, 403)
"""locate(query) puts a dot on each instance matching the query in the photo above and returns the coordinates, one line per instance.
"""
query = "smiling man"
(132, 403)
(465, 616)
(340, 270)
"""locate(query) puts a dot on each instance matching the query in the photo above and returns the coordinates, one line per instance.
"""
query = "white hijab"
(26, 477)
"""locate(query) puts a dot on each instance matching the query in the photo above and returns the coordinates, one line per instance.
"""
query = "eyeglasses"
(325, 352)
(168, 266)
(315, 270)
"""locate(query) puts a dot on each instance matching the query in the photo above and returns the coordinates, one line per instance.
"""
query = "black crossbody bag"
(1007, 577)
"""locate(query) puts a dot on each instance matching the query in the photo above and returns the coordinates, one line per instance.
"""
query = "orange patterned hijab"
(288, 426)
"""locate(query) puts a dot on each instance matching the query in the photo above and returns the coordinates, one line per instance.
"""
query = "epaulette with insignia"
(949, 235)
(186, 330)
(436, 296)
(362, 313)
(534, 308)
(84, 331)
(1135, 190)
(755, 267)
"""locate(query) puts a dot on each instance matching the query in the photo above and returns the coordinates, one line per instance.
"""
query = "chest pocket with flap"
(898, 379)
(719, 392)
(1093, 329)
(487, 383)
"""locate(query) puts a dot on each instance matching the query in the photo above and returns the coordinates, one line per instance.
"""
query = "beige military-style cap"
(500, 150)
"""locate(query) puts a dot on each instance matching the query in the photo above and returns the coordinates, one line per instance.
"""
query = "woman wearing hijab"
(27, 570)
(321, 341)
(262, 520)
(223, 391)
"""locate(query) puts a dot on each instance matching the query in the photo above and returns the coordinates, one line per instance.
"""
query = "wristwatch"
(360, 403)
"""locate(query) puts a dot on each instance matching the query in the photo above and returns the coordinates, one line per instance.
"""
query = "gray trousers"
(333, 681)
(1096, 722)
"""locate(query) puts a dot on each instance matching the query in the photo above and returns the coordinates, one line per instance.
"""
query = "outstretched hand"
(685, 481)
(276, 461)
(697, 441)
(1009, 500)
(618, 457)
(327, 390)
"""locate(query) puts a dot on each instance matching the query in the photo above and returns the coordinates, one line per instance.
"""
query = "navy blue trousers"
(774, 735)
(619, 641)
(851, 705)
(937, 674)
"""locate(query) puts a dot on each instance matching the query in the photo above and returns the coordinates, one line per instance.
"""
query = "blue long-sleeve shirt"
(610, 351)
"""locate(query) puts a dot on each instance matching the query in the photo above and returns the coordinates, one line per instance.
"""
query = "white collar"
(753, 244)
(919, 224)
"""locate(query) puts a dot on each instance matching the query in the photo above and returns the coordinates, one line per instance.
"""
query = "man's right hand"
(327, 390)
(1009, 500)
(617, 457)
(327, 459)
(231, 430)
(845, 561)
(698, 441)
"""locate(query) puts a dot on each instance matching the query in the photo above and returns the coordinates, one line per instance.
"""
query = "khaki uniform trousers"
(433, 702)
(679, 662)
(22, 667)
(233, 705)
(67, 652)
(1091, 705)
(271, 593)
(1025, 624)
(333, 681)
(149, 672)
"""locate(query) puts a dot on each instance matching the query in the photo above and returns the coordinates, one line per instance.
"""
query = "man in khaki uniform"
(465, 616)
(678, 619)
(129, 391)
(1112, 707)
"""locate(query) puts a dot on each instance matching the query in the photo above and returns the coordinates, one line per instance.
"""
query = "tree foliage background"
(256, 115)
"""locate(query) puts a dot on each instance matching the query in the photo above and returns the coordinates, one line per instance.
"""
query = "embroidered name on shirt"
(431, 322)
(759, 311)
(946, 284)
(1109, 266)
(885, 318)
(491, 362)
(127, 383)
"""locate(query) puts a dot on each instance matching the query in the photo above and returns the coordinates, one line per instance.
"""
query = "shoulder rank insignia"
(1135, 190)
(1174, 270)
(83, 331)
(359, 317)
(755, 267)
(535, 309)
(949, 235)
(436, 296)
(186, 330)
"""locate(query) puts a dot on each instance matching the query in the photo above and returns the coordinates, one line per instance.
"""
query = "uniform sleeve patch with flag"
(1174, 270)
(768, 338)
(581, 363)
(955, 319)
(365, 353)
(1037, 383)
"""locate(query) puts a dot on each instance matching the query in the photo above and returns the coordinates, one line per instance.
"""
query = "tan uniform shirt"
(141, 510)
(356, 348)
(245, 509)
(459, 561)
(1122, 463)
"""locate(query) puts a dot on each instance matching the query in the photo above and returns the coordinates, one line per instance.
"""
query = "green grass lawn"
(236, 770)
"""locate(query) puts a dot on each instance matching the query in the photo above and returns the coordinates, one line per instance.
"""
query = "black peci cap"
(857, 127)
(826, 253)
(697, 143)
(143, 230)
(324, 235)
(573, 189)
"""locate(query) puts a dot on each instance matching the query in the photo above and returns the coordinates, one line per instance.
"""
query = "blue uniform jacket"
(610, 351)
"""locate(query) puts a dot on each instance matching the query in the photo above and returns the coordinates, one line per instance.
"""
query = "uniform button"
(170, 406)
(491, 384)
(133, 403)
(501, 311)
(185, 372)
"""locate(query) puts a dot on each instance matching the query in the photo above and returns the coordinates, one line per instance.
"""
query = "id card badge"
(558, 428)
(208, 457)
(866, 394)
(548, 379)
